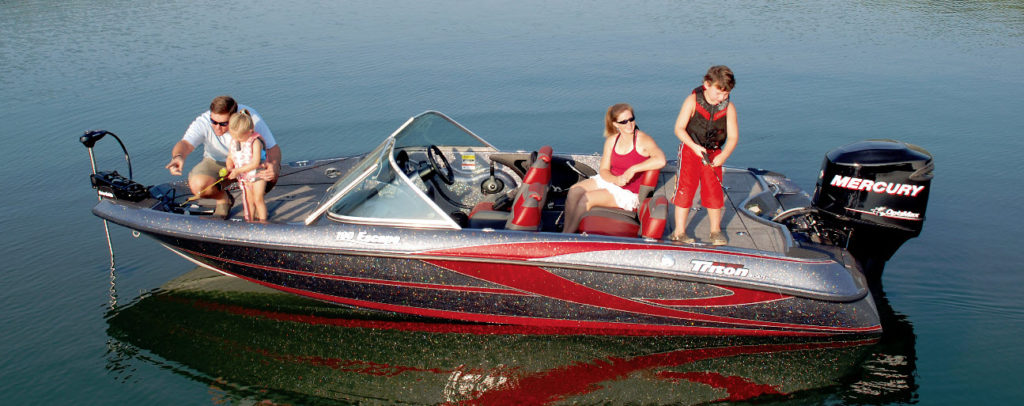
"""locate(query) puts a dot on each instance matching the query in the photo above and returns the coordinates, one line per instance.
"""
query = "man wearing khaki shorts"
(211, 129)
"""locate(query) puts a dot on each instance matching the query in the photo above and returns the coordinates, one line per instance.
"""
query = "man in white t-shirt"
(211, 129)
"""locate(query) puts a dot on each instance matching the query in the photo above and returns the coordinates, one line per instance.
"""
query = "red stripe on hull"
(739, 296)
(744, 327)
(364, 280)
(616, 328)
(543, 283)
(539, 250)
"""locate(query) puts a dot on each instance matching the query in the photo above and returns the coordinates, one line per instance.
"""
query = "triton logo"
(718, 268)
(898, 189)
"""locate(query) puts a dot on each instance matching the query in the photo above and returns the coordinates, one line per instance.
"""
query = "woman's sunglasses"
(628, 120)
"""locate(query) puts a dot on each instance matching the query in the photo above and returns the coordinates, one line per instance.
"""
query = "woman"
(627, 153)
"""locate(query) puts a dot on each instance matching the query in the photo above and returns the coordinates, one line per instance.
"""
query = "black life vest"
(708, 130)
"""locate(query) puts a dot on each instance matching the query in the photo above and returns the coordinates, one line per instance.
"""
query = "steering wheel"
(447, 175)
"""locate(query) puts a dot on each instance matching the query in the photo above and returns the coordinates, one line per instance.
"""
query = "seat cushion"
(484, 216)
(610, 221)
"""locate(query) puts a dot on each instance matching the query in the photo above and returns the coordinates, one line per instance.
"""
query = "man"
(211, 129)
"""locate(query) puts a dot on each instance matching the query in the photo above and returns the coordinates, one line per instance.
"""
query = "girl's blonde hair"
(240, 123)
(609, 118)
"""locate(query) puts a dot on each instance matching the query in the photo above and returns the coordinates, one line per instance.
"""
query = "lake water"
(335, 77)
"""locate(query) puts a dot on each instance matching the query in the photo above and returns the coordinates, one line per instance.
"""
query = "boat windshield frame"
(374, 182)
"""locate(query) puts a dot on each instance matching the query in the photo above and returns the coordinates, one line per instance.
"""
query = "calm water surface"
(335, 77)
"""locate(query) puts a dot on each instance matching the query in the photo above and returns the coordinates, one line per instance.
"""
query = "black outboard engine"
(872, 197)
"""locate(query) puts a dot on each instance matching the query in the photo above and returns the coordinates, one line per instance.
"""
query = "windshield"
(433, 128)
(375, 191)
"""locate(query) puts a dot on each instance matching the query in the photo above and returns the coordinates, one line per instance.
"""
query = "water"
(333, 77)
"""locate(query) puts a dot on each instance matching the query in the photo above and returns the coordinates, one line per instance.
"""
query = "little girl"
(244, 158)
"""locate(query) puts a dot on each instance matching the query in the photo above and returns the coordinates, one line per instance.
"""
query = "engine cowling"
(876, 193)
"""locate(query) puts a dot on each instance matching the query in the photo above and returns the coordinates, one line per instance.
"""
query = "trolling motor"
(110, 184)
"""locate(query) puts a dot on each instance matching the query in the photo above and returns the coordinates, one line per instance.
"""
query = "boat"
(199, 325)
(436, 222)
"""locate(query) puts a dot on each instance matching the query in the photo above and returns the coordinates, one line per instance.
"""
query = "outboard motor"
(872, 196)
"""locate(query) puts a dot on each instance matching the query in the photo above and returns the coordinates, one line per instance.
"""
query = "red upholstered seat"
(653, 213)
(528, 200)
(540, 168)
(647, 221)
(532, 193)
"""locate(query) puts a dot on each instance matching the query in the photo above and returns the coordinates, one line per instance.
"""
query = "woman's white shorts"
(625, 199)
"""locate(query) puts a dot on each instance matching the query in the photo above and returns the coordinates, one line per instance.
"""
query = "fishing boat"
(437, 222)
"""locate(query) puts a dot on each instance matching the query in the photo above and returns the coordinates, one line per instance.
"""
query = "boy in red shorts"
(707, 128)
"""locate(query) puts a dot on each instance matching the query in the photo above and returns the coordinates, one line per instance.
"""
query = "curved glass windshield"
(432, 128)
(384, 195)
(375, 191)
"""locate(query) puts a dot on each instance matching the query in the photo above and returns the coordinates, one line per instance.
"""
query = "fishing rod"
(706, 160)
(223, 175)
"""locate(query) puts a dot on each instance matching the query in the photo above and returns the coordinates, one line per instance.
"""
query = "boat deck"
(741, 230)
(300, 188)
(298, 191)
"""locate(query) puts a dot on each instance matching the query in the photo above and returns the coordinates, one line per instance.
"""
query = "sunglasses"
(628, 120)
(215, 122)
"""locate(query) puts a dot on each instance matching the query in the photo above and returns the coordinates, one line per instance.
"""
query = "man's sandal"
(223, 210)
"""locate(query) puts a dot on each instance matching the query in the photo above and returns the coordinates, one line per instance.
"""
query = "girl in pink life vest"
(242, 162)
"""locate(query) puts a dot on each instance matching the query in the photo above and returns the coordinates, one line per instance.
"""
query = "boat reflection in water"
(251, 343)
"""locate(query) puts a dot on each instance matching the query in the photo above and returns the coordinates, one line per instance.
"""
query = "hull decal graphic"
(360, 280)
(543, 283)
(592, 327)
(596, 327)
(739, 296)
(540, 250)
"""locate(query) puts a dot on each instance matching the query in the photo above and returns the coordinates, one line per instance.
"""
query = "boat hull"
(452, 284)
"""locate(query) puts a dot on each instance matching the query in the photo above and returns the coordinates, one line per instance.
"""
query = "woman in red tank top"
(627, 153)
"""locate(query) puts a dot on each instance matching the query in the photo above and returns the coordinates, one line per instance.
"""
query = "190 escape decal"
(366, 238)
(899, 189)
